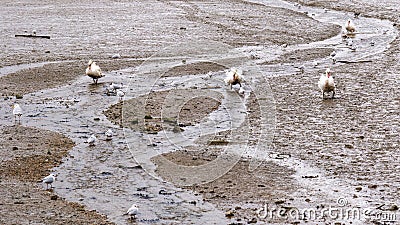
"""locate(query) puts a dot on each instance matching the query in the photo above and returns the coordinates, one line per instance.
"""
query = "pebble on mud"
(254, 220)
(229, 214)
(350, 146)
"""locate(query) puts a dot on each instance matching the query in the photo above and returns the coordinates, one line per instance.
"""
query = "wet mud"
(178, 111)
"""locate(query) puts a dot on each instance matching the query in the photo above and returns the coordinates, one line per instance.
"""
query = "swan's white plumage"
(94, 71)
(234, 76)
(326, 83)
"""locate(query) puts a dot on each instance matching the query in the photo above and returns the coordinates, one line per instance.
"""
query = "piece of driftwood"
(32, 36)
(360, 61)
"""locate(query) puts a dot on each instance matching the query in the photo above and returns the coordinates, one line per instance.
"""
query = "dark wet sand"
(28, 155)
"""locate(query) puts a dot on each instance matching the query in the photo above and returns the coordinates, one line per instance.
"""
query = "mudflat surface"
(351, 142)
(28, 155)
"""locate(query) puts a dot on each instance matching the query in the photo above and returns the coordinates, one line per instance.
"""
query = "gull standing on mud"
(109, 134)
(326, 83)
(133, 211)
(234, 76)
(302, 68)
(17, 112)
(120, 94)
(92, 140)
(49, 180)
(94, 71)
(333, 56)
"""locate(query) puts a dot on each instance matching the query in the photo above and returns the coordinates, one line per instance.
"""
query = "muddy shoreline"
(353, 138)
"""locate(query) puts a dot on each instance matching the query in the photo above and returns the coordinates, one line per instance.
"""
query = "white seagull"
(92, 140)
(120, 94)
(333, 56)
(234, 76)
(49, 180)
(114, 87)
(116, 56)
(94, 71)
(326, 83)
(241, 91)
(17, 112)
(302, 68)
(349, 26)
(109, 134)
(133, 211)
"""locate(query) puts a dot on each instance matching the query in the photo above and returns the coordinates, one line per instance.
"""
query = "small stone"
(15, 148)
(54, 197)
(19, 96)
(229, 214)
(372, 186)
(358, 189)
(254, 220)
(393, 208)
(96, 119)
(349, 146)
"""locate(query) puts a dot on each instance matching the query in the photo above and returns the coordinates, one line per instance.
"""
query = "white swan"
(17, 112)
(326, 83)
(349, 26)
(133, 211)
(109, 134)
(234, 76)
(94, 71)
(49, 180)
(92, 140)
